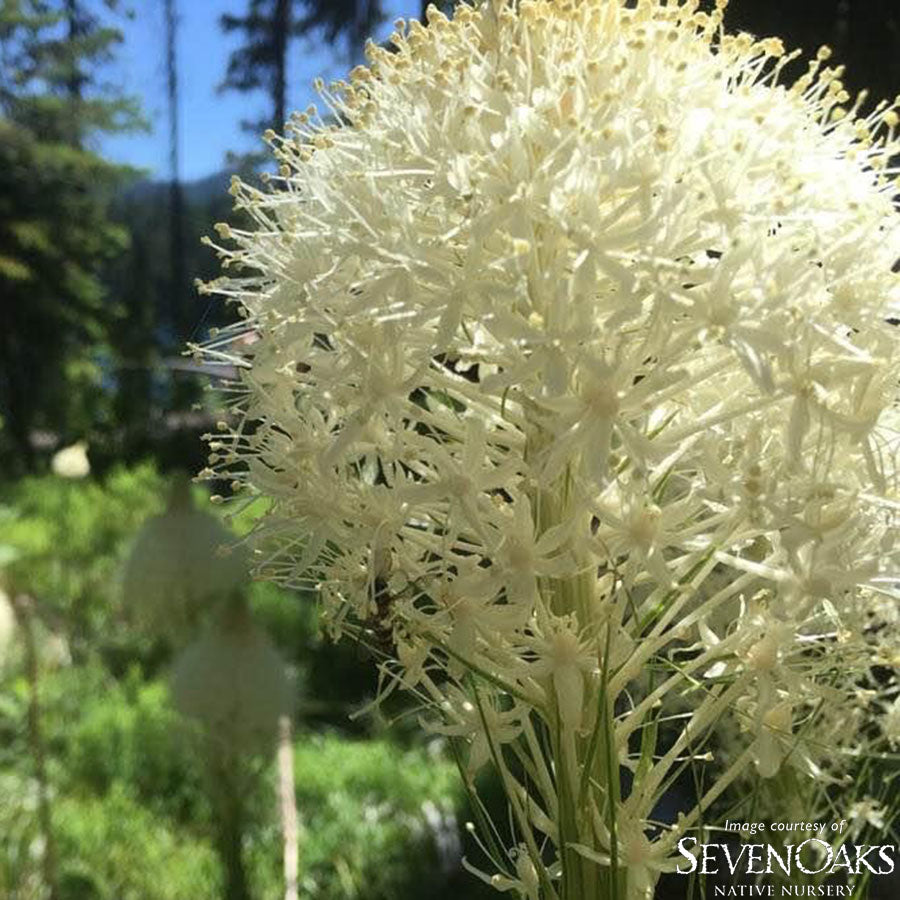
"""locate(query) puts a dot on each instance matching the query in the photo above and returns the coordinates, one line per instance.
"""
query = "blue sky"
(209, 120)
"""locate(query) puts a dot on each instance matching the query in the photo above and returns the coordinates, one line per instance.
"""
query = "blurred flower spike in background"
(183, 563)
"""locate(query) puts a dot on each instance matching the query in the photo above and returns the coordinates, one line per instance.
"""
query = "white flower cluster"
(573, 376)
(181, 565)
(185, 581)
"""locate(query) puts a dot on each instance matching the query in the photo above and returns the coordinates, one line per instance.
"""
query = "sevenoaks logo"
(806, 856)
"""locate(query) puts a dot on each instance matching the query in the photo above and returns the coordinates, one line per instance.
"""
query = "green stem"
(515, 805)
(228, 803)
(23, 607)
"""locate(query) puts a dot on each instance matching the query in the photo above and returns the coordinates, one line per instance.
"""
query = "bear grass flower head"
(573, 379)
(182, 563)
(232, 681)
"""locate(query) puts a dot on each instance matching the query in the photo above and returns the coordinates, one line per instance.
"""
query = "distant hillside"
(196, 193)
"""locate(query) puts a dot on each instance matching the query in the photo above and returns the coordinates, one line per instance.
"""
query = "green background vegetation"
(131, 814)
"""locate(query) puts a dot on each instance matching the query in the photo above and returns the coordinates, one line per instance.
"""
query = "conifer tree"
(261, 62)
(178, 287)
(55, 233)
(268, 26)
(349, 20)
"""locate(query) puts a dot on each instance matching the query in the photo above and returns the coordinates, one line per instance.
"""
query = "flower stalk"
(23, 607)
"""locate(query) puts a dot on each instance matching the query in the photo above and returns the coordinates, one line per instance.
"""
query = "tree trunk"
(177, 268)
(280, 31)
(75, 79)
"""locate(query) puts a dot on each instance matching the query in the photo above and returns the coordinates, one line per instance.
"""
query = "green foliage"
(126, 786)
(365, 829)
(129, 793)
(53, 240)
(130, 782)
(330, 769)
(110, 848)
(55, 232)
(129, 734)
(69, 538)
(115, 849)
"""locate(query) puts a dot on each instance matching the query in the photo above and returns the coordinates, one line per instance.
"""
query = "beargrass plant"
(568, 371)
